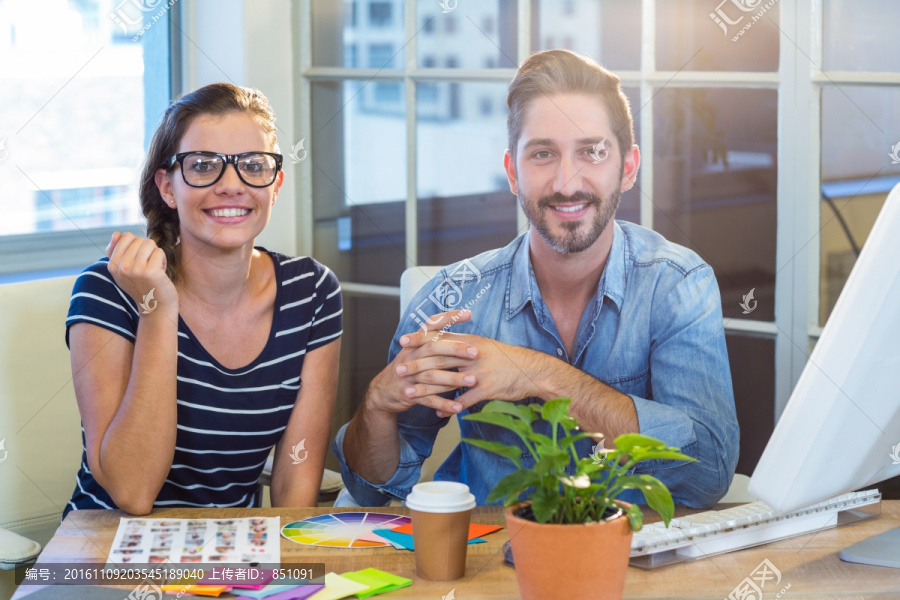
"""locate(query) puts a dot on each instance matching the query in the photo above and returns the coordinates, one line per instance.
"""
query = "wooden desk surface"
(809, 563)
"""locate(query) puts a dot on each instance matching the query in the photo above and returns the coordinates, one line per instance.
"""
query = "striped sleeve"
(327, 323)
(96, 299)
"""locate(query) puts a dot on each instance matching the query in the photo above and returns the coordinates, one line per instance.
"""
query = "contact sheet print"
(243, 540)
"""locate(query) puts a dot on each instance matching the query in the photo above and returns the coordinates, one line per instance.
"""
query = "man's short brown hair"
(565, 72)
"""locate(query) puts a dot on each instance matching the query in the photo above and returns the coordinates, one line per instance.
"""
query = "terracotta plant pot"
(586, 561)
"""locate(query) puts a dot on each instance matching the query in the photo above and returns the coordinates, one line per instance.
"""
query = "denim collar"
(523, 286)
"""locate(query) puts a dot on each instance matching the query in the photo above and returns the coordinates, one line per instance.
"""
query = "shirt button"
(559, 352)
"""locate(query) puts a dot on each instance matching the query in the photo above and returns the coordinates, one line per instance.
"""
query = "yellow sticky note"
(379, 582)
(337, 587)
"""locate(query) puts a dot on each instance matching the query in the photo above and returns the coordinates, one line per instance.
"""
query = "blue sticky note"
(406, 540)
(401, 539)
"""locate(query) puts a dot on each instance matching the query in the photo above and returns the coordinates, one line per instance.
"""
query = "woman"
(194, 352)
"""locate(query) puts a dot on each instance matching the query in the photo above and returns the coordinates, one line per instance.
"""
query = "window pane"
(470, 35)
(359, 180)
(381, 56)
(752, 361)
(609, 31)
(72, 128)
(381, 14)
(861, 35)
(465, 206)
(358, 33)
(858, 171)
(714, 185)
(723, 37)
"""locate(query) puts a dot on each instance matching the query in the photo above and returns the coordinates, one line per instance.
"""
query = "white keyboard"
(717, 531)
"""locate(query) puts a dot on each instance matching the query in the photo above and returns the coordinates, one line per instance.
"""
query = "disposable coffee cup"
(440, 512)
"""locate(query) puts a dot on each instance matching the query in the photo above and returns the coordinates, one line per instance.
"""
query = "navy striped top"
(228, 419)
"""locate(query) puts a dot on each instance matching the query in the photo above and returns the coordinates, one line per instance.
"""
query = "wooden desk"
(809, 563)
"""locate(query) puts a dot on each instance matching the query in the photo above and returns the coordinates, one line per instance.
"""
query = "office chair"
(40, 440)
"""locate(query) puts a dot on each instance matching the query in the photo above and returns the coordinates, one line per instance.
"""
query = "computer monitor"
(840, 430)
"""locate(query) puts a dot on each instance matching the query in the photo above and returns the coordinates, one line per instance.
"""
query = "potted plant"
(571, 537)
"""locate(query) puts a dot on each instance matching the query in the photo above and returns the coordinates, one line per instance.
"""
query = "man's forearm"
(597, 407)
(372, 444)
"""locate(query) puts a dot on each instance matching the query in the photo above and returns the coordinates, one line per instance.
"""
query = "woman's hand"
(138, 266)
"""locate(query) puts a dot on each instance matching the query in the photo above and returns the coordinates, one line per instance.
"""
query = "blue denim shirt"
(654, 331)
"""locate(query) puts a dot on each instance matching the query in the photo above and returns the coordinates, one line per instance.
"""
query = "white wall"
(248, 42)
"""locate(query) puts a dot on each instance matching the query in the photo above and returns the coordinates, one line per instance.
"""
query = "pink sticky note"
(372, 537)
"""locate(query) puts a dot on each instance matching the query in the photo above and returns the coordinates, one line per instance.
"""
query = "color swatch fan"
(343, 530)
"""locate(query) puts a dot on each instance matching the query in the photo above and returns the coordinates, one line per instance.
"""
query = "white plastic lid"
(440, 497)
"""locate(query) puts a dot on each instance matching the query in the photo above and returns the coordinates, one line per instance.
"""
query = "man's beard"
(571, 241)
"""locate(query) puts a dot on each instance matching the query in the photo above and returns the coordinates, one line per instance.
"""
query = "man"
(611, 315)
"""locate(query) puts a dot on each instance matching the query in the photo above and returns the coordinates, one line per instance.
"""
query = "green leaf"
(500, 420)
(554, 411)
(589, 467)
(629, 441)
(540, 440)
(571, 439)
(513, 453)
(568, 423)
(595, 489)
(510, 487)
(664, 454)
(635, 517)
(551, 460)
(658, 496)
(514, 410)
(544, 503)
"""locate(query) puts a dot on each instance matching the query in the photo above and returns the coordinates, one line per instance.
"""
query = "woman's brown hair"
(163, 225)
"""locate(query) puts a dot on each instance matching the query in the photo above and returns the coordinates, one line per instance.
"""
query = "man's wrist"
(542, 371)
(374, 403)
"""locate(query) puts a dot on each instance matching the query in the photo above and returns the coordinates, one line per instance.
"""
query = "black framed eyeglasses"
(203, 169)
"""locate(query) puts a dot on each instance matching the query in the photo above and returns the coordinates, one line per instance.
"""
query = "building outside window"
(83, 86)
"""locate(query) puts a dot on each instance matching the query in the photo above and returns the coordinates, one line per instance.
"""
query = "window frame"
(798, 82)
(54, 253)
